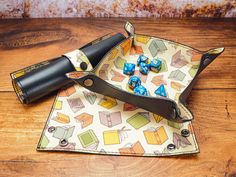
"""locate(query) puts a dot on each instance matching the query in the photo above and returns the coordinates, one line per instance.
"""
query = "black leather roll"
(45, 79)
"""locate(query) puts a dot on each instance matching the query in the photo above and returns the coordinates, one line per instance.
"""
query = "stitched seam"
(184, 109)
(118, 153)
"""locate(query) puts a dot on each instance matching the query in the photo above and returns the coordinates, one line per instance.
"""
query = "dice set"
(145, 66)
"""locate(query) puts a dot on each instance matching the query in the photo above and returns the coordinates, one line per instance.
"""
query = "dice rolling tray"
(101, 115)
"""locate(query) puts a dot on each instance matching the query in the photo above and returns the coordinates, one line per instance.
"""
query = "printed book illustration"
(103, 72)
(155, 135)
(58, 105)
(110, 119)
(75, 104)
(63, 132)
(62, 118)
(90, 96)
(107, 102)
(139, 120)
(88, 140)
(135, 148)
(129, 107)
(84, 119)
(114, 136)
(180, 141)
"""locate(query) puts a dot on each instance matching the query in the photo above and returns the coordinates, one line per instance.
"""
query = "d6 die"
(144, 68)
(140, 90)
(129, 68)
(155, 65)
(142, 59)
(134, 81)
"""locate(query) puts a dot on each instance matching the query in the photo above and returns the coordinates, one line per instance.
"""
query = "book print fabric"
(83, 121)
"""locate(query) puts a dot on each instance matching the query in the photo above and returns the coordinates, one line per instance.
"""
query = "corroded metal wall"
(116, 8)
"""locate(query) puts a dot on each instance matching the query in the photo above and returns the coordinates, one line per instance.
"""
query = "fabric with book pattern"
(83, 121)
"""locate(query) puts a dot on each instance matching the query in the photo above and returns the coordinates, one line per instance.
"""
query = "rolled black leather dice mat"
(46, 78)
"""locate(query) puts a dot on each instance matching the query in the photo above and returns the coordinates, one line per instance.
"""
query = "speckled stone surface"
(116, 8)
(11, 8)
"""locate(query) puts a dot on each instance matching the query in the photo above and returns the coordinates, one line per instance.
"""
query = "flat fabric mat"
(83, 121)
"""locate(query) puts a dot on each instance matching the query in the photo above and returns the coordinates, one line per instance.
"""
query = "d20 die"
(140, 90)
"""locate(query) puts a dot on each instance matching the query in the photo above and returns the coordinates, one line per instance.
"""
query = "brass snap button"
(63, 142)
(88, 82)
(185, 132)
(171, 147)
(51, 129)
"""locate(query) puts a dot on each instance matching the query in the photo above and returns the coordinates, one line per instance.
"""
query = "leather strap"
(159, 105)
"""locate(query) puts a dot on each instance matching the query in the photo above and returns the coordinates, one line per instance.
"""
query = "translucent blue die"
(140, 90)
(142, 59)
(129, 68)
(144, 68)
(155, 65)
(134, 81)
(161, 91)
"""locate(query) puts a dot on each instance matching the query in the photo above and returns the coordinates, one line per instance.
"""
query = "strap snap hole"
(51, 129)
(88, 82)
(171, 147)
(185, 132)
(63, 142)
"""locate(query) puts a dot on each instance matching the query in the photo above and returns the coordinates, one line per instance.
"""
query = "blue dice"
(140, 90)
(134, 81)
(144, 68)
(155, 65)
(161, 91)
(129, 68)
(142, 59)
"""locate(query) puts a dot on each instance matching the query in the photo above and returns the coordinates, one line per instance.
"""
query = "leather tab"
(129, 28)
(209, 57)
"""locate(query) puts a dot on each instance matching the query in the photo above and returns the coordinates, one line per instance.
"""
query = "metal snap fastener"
(171, 147)
(88, 82)
(51, 129)
(185, 132)
(83, 65)
(206, 61)
(63, 142)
